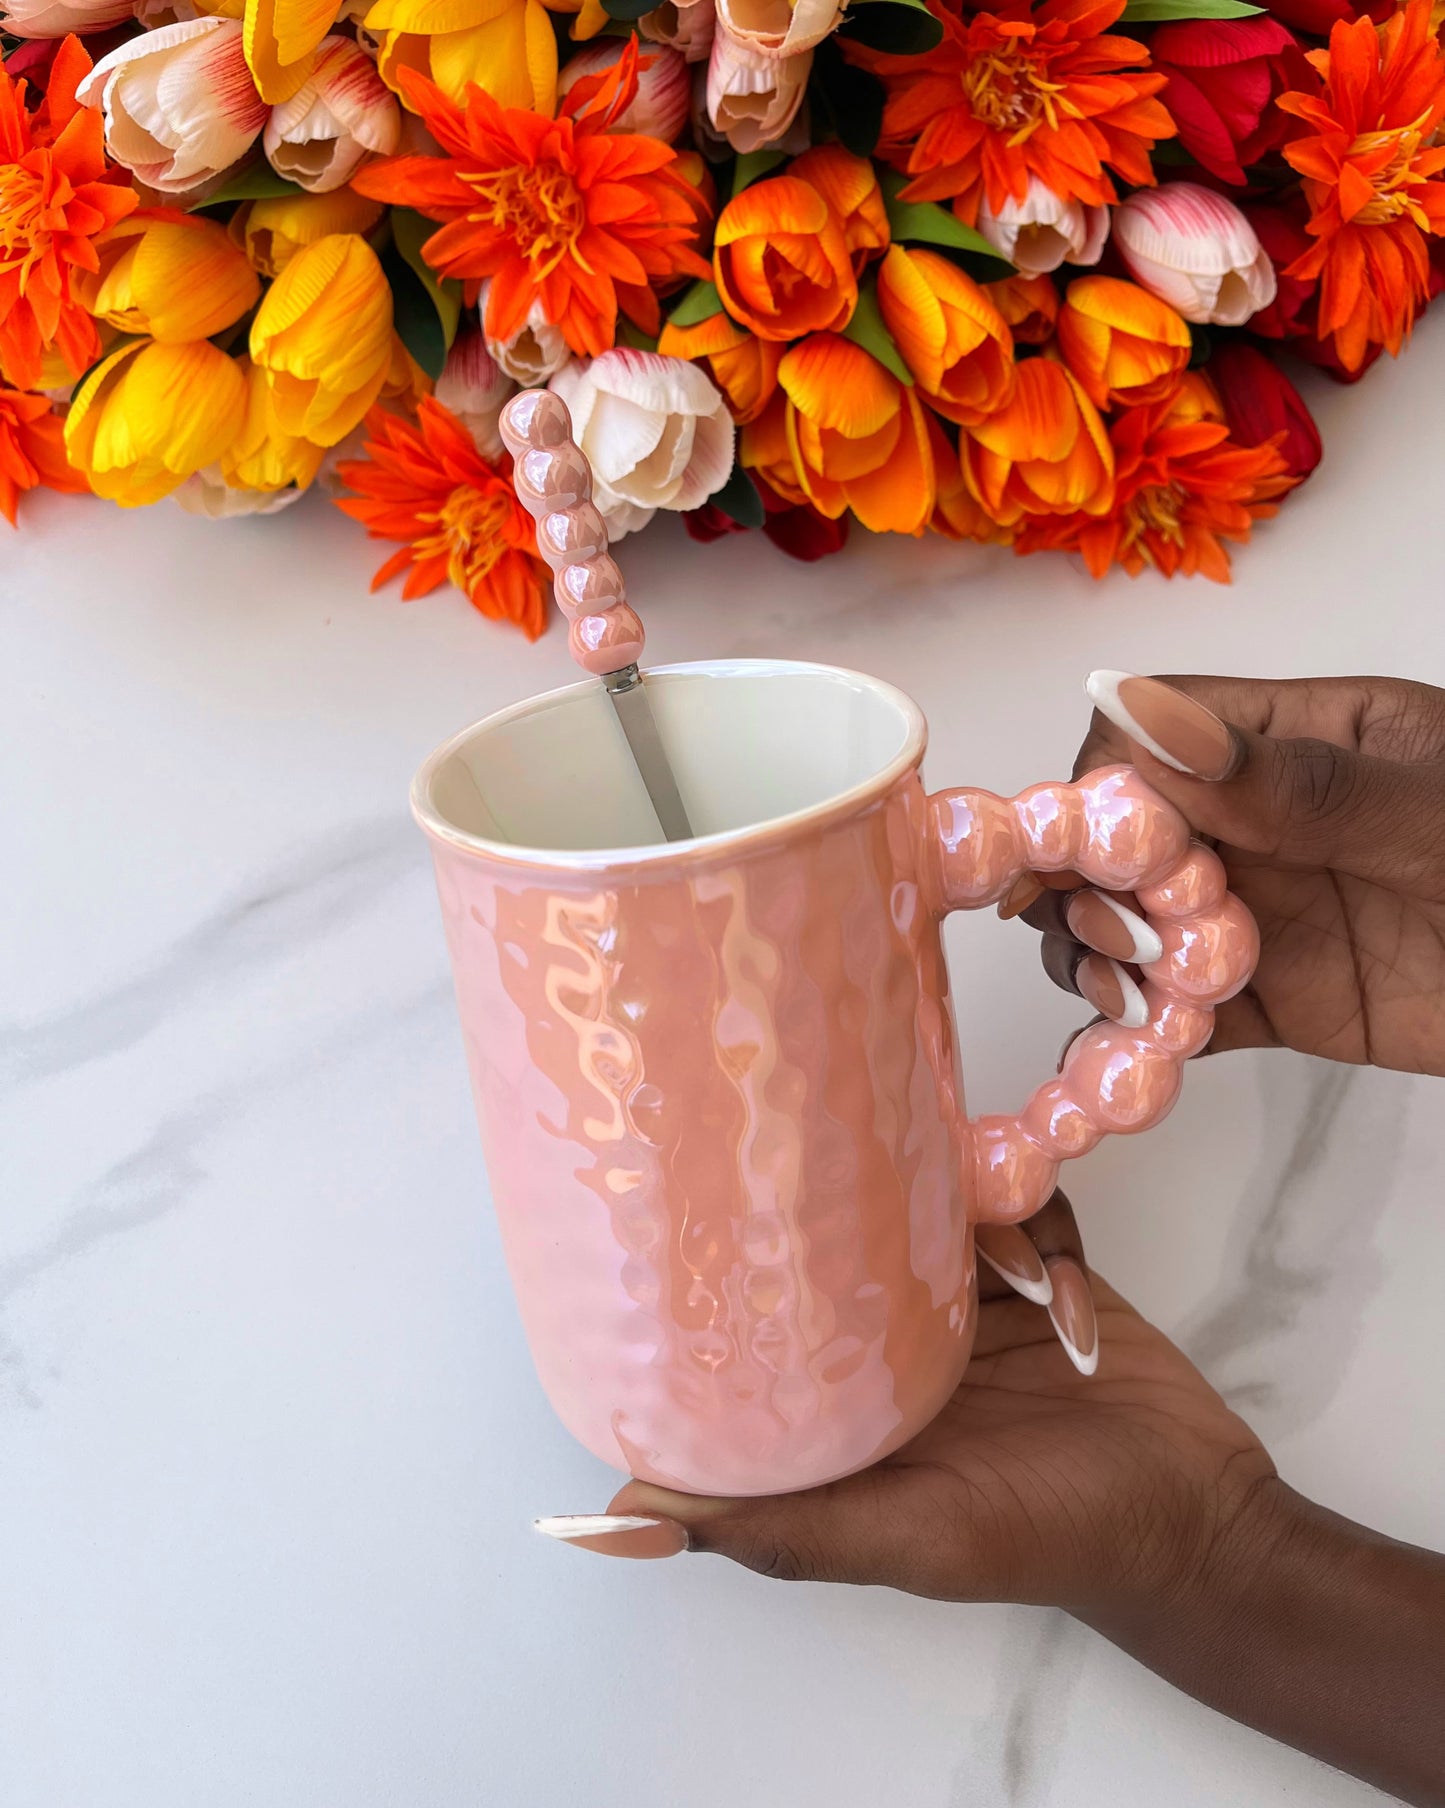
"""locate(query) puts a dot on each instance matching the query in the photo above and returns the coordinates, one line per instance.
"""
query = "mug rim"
(650, 853)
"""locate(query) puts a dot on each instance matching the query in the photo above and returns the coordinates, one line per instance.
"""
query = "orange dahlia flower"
(744, 368)
(457, 517)
(858, 438)
(951, 336)
(562, 212)
(1372, 177)
(57, 192)
(1182, 487)
(781, 262)
(1123, 344)
(32, 451)
(1021, 91)
(1044, 453)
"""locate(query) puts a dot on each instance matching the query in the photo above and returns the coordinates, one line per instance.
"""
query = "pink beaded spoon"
(553, 482)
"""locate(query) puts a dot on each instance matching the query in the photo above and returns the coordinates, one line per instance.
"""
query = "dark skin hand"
(1332, 828)
(1138, 1501)
(1135, 1498)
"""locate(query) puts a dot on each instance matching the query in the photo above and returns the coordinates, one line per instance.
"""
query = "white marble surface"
(271, 1439)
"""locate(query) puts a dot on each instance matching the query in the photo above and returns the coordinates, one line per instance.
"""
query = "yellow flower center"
(468, 534)
(1394, 181)
(540, 210)
(1155, 511)
(1006, 89)
(24, 238)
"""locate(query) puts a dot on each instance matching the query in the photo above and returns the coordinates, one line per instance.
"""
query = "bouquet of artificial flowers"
(1018, 273)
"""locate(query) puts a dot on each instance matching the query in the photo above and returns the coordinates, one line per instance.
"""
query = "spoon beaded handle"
(554, 484)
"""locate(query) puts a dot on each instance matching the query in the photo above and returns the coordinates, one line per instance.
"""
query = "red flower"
(794, 528)
(1223, 77)
(1317, 18)
(1262, 406)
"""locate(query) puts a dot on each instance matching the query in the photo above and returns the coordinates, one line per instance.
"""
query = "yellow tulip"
(263, 456)
(280, 42)
(504, 46)
(406, 382)
(173, 276)
(272, 231)
(323, 336)
(150, 415)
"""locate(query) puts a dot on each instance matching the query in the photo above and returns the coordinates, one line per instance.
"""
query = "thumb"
(839, 1533)
(1302, 803)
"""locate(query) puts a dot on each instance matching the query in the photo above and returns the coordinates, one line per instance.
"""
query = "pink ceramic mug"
(717, 1079)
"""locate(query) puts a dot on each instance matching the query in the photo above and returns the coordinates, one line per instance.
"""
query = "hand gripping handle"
(1119, 835)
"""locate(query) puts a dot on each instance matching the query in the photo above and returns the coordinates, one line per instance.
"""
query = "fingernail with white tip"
(1163, 721)
(1112, 928)
(1010, 1253)
(1072, 1313)
(1111, 989)
(616, 1534)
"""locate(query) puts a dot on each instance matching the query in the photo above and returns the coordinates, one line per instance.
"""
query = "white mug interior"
(752, 743)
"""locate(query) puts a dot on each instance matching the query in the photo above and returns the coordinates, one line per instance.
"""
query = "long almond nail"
(1111, 991)
(1072, 1313)
(616, 1534)
(1012, 1256)
(1112, 928)
(1173, 727)
(1020, 895)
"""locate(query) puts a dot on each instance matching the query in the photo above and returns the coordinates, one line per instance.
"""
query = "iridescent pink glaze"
(724, 1128)
(553, 482)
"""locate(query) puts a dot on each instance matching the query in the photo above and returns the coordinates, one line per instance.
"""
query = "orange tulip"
(952, 338)
(781, 262)
(1124, 345)
(1029, 305)
(858, 437)
(745, 369)
(956, 514)
(1044, 453)
(850, 187)
(763, 447)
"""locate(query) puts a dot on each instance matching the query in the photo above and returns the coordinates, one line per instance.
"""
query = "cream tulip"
(341, 115)
(688, 26)
(474, 387)
(776, 28)
(656, 432)
(1042, 231)
(753, 95)
(179, 103)
(535, 352)
(56, 18)
(1194, 249)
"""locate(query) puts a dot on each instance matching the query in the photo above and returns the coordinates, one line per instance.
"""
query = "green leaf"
(630, 333)
(925, 223)
(846, 100)
(409, 233)
(1150, 12)
(256, 182)
(701, 302)
(739, 500)
(627, 9)
(866, 328)
(1201, 346)
(752, 164)
(901, 27)
(414, 313)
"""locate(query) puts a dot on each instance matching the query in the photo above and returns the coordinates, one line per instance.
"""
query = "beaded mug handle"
(1119, 835)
